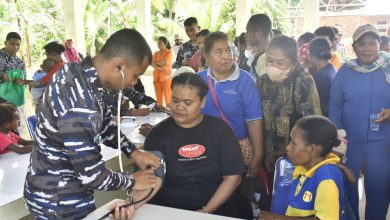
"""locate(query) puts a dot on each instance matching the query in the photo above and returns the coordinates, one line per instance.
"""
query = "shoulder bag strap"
(215, 99)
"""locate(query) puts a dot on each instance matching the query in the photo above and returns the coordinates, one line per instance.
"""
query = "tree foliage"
(42, 21)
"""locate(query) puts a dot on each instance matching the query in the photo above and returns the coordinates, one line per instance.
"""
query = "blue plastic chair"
(31, 125)
(283, 179)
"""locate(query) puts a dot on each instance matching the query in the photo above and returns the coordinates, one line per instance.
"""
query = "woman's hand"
(145, 129)
(384, 115)
(121, 213)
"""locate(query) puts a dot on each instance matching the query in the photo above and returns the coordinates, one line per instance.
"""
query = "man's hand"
(144, 179)
(121, 213)
(384, 115)
(144, 159)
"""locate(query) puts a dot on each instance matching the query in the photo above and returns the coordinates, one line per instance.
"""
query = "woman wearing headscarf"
(70, 52)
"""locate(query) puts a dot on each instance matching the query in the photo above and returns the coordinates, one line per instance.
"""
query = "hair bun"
(335, 142)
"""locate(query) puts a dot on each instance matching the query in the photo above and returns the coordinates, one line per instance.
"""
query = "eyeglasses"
(221, 52)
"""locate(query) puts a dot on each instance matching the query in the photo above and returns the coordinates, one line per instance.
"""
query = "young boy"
(66, 164)
(188, 49)
(9, 141)
(36, 87)
(10, 62)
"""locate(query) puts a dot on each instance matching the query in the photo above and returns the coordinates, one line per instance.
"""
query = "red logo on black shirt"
(192, 150)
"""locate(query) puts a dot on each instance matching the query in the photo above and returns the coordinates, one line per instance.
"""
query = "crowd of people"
(235, 108)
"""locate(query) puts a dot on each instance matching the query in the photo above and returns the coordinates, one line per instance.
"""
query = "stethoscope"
(119, 103)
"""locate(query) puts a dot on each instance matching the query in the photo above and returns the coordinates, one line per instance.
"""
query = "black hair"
(288, 46)
(13, 35)
(260, 22)
(326, 31)
(127, 43)
(190, 21)
(165, 41)
(306, 37)
(6, 113)
(319, 130)
(203, 33)
(384, 40)
(320, 48)
(47, 64)
(212, 38)
(193, 80)
(54, 47)
(336, 31)
(241, 39)
(277, 32)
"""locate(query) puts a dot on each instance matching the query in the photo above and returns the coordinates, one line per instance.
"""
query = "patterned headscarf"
(71, 53)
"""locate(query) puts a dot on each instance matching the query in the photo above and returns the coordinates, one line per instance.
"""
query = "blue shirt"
(323, 79)
(238, 97)
(318, 191)
(354, 96)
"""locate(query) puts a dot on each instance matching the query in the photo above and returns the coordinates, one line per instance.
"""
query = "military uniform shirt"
(66, 164)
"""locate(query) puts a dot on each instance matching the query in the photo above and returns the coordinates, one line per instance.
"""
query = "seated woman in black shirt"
(203, 158)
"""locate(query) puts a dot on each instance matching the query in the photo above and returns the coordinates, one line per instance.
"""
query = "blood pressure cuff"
(160, 171)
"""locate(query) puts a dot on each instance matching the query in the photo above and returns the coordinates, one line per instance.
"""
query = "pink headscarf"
(71, 53)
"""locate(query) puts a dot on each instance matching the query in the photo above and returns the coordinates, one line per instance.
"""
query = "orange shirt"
(165, 73)
(335, 60)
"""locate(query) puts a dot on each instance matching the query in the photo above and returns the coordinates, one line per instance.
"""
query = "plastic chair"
(31, 125)
(283, 179)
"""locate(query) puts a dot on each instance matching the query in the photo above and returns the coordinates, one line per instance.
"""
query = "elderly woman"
(362, 88)
(287, 92)
(203, 159)
(234, 98)
(317, 190)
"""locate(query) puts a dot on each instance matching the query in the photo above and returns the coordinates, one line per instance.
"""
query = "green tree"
(37, 21)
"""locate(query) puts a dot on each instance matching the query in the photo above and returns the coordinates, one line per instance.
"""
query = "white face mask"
(277, 75)
(250, 56)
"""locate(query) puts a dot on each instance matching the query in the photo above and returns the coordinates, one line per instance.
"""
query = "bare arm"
(255, 129)
(19, 149)
(26, 142)
(223, 193)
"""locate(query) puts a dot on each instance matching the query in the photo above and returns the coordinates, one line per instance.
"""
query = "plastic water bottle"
(374, 126)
